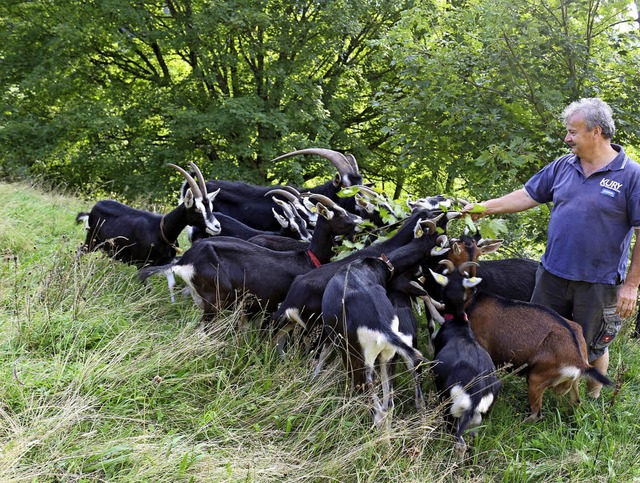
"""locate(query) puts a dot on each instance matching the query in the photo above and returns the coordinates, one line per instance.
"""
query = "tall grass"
(103, 379)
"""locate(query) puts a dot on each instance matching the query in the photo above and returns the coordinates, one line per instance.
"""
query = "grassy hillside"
(102, 379)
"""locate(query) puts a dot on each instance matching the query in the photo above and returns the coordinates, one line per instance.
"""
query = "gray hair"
(596, 112)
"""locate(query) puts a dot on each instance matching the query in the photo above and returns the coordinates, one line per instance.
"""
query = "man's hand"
(474, 210)
(627, 298)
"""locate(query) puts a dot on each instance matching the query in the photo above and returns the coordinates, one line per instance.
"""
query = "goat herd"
(275, 244)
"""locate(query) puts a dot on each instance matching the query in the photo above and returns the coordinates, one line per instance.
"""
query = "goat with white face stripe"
(220, 270)
(143, 238)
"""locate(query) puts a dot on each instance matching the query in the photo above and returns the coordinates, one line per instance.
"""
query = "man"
(596, 208)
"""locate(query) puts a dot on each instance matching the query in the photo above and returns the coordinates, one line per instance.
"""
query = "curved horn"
(351, 159)
(192, 182)
(339, 160)
(430, 224)
(201, 181)
(463, 267)
(448, 264)
(328, 202)
(291, 189)
(325, 200)
(284, 193)
(367, 191)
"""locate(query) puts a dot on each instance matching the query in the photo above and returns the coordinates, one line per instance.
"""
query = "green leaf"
(477, 209)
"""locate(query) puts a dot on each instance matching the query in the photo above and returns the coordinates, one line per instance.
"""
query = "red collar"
(449, 317)
(314, 259)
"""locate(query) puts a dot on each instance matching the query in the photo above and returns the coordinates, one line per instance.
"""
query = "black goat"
(513, 278)
(403, 292)
(292, 225)
(220, 269)
(405, 261)
(142, 238)
(361, 322)
(464, 372)
(321, 249)
(302, 305)
(248, 203)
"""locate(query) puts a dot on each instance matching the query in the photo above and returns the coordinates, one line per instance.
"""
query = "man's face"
(578, 137)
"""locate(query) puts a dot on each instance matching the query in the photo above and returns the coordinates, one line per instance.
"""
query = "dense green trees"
(431, 96)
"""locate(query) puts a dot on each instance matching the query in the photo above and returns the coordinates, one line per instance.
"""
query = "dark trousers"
(592, 305)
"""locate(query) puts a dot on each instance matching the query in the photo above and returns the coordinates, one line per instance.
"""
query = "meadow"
(104, 379)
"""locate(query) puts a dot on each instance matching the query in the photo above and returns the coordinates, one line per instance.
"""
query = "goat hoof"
(533, 418)
(595, 393)
(460, 448)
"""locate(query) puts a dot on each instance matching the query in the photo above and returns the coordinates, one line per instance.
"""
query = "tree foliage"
(104, 91)
(459, 97)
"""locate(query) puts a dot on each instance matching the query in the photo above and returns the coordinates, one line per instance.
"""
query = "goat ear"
(337, 180)
(212, 196)
(417, 230)
(284, 223)
(471, 282)
(324, 211)
(188, 198)
(438, 277)
(456, 248)
(438, 250)
(489, 246)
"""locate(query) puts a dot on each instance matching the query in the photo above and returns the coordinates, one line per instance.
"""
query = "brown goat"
(548, 348)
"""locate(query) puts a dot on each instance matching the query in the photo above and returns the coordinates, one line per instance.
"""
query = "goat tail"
(407, 352)
(145, 272)
(593, 373)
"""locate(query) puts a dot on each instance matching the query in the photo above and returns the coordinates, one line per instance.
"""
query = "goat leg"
(537, 385)
(377, 410)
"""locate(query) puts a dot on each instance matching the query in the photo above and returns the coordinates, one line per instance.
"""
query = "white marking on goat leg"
(186, 273)
(387, 386)
(378, 411)
(171, 282)
(375, 343)
(395, 324)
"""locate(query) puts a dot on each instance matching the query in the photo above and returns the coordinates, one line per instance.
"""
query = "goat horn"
(448, 264)
(431, 226)
(463, 267)
(201, 181)
(366, 191)
(192, 182)
(325, 200)
(284, 193)
(328, 202)
(339, 160)
(351, 159)
(291, 189)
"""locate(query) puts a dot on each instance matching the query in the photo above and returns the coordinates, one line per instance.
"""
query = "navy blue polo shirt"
(592, 218)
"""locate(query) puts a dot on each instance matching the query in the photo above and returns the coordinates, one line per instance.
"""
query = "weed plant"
(103, 379)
